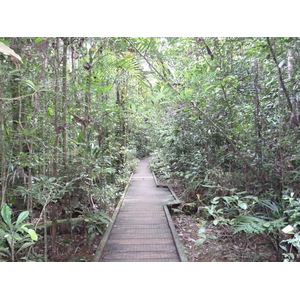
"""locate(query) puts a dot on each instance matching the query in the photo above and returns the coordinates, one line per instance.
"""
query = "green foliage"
(250, 224)
(15, 236)
(292, 211)
(214, 110)
(202, 236)
(96, 223)
(289, 245)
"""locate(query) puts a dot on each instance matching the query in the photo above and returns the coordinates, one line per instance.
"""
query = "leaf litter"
(220, 244)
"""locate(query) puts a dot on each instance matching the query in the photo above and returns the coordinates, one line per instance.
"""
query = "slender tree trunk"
(45, 235)
(56, 99)
(88, 94)
(29, 199)
(64, 101)
(257, 118)
(17, 103)
(18, 117)
(294, 121)
(121, 95)
(53, 206)
(3, 154)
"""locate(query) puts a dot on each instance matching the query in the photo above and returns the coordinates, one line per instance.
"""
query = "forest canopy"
(219, 115)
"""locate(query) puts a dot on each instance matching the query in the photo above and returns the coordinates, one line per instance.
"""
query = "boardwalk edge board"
(106, 235)
(179, 246)
(159, 185)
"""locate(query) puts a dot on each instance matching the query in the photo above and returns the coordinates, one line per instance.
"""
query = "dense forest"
(219, 116)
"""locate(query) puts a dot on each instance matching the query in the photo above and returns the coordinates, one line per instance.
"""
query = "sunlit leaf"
(33, 234)
(22, 216)
(242, 205)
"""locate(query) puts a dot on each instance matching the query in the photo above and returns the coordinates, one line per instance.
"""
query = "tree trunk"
(88, 94)
(53, 207)
(294, 121)
(56, 99)
(64, 101)
(121, 94)
(3, 152)
(18, 119)
(257, 119)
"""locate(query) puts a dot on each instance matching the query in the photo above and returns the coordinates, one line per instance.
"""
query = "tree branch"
(23, 96)
(280, 76)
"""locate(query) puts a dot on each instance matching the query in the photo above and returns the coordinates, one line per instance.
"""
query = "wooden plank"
(141, 230)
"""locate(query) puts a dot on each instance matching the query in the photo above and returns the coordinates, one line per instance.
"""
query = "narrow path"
(141, 231)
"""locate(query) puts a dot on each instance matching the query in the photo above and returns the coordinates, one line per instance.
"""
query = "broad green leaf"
(25, 245)
(22, 216)
(4, 251)
(16, 236)
(283, 247)
(212, 237)
(33, 234)
(9, 240)
(201, 240)
(24, 228)
(201, 230)
(242, 205)
(2, 232)
(6, 215)
(51, 179)
(38, 40)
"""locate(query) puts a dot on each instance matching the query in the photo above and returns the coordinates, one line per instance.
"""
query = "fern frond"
(249, 224)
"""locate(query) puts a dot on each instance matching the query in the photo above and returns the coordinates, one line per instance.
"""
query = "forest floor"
(76, 247)
(70, 248)
(225, 246)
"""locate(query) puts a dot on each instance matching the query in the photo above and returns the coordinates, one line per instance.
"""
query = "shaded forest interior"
(219, 116)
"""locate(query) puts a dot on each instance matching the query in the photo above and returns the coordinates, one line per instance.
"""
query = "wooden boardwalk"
(142, 230)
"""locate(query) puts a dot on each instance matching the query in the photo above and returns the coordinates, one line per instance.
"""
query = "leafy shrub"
(292, 244)
(14, 236)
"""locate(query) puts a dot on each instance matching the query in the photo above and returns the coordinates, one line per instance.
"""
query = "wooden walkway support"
(142, 229)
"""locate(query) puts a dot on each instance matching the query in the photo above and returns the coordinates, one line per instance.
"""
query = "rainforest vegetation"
(219, 116)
